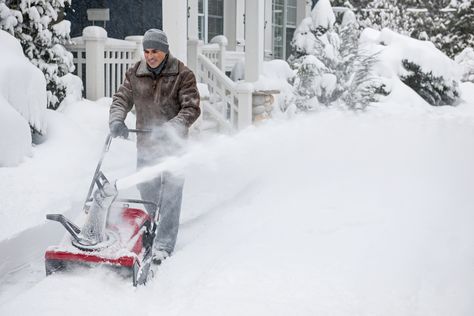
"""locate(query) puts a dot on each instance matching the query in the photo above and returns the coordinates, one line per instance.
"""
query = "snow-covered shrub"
(436, 90)
(38, 26)
(331, 66)
(422, 66)
(466, 61)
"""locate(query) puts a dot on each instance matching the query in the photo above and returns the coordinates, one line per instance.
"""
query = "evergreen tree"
(381, 14)
(447, 23)
(39, 26)
(436, 90)
(461, 28)
(331, 69)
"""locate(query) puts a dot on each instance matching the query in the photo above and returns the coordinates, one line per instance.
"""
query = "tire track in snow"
(22, 261)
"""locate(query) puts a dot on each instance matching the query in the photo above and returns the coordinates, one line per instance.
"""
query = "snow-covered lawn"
(333, 213)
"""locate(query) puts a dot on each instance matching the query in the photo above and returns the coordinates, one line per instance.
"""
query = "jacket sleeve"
(122, 101)
(189, 100)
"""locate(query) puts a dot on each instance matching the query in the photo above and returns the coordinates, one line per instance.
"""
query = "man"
(166, 101)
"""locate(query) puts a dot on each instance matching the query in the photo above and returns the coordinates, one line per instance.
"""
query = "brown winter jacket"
(172, 98)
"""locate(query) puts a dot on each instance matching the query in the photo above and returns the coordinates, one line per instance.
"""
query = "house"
(211, 36)
(201, 19)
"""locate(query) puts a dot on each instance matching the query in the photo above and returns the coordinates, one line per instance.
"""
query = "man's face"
(154, 57)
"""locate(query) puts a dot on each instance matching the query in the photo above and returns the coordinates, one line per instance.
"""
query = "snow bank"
(74, 89)
(22, 84)
(15, 135)
(465, 60)
(275, 76)
(59, 173)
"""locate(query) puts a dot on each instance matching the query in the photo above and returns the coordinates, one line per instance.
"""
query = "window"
(284, 26)
(210, 19)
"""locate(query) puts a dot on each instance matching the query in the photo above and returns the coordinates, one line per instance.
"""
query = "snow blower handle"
(108, 141)
(133, 130)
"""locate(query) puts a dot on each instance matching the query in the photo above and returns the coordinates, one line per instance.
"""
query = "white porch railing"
(231, 103)
(101, 62)
(217, 53)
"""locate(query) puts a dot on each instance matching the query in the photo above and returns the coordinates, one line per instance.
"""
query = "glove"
(118, 129)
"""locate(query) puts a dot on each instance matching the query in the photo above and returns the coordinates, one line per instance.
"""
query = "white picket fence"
(101, 62)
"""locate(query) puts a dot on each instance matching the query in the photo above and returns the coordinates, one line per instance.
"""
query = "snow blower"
(120, 237)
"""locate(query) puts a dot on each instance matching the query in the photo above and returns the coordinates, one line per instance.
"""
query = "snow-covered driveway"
(335, 213)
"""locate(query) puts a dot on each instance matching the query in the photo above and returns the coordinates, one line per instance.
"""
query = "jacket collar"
(171, 68)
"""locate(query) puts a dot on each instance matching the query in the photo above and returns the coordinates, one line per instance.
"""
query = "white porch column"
(94, 39)
(193, 32)
(175, 25)
(230, 23)
(268, 52)
(244, 96)
(240, 25)
(193, 52)
(254, 39)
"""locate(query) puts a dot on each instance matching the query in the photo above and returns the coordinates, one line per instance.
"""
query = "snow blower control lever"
(70, 226)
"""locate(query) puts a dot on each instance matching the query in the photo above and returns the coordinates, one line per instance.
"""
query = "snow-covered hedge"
(23, 101)
(15, 136)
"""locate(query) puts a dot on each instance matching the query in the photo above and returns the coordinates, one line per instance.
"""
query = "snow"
(16, 139)
(275, 76)
(465, 60)
(332, 213)
(203, 90)
(329, 213)
(94, 32)
(8, 18)
(74, 89)
(323, 15)
(303, 38)
(349, 18)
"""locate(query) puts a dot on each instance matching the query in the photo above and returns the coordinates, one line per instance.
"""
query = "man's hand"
(118, 129)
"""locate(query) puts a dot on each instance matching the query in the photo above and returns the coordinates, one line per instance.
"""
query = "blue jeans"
(167, 192)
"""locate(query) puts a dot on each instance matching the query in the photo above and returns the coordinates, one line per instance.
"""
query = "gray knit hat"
(155, 39)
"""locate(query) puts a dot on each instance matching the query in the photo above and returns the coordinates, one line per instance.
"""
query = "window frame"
(203, 32)
(282, 51)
